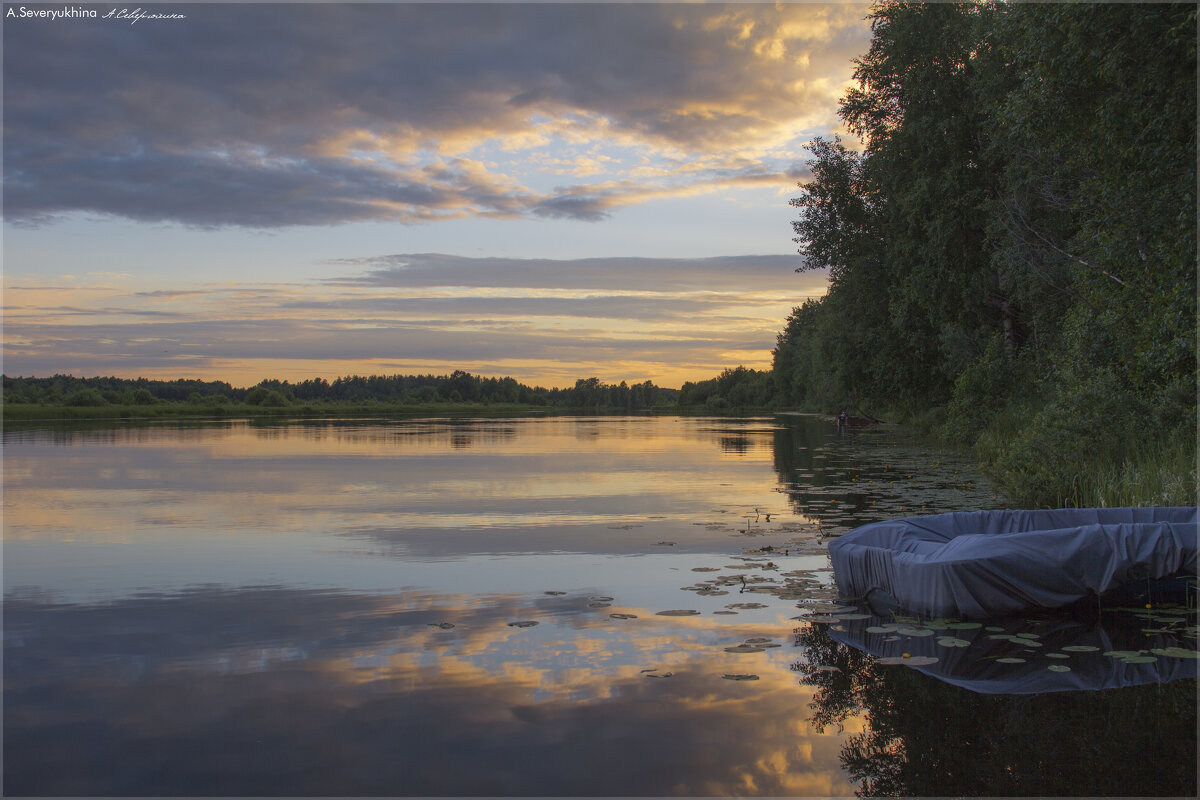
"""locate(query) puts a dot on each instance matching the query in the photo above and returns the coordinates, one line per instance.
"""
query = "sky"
(546, 191)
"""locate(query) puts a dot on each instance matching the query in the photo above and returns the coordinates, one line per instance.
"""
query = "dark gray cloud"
(660, 275)
(264, 115)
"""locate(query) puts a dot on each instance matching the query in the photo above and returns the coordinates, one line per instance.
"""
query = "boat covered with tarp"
(978, 564)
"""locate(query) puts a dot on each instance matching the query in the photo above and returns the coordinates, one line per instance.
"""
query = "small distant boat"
(995, 563)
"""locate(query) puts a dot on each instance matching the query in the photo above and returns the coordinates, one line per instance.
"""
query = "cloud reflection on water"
(341, 694)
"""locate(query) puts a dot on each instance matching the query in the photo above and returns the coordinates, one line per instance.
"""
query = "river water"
(556, 606)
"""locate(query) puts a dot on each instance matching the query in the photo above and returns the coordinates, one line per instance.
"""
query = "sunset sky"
(543, 191)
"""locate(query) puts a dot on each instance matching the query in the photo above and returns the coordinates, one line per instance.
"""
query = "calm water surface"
(558, 606)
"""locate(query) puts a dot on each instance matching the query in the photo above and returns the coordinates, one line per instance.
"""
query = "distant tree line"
(458, 387)
(1014, 242)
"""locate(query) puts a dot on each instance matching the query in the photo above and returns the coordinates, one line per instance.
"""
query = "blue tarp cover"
(992, 563)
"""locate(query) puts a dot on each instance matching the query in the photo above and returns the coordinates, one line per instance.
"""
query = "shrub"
(85, 397)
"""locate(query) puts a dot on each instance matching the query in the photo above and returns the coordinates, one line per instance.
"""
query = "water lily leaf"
(1123, 653)
(965, 626)
(879, 629)
(1010, 660)
(659, 675)
(745, 648)
(912, 661)
(763, 605)
(443, 625)
(1058, 668)
(706, 569)
(1057, 655)
(525, 623)
(1139, 660)
(1026, 642)
(1081, 648)
(678, 612)
(554, 593)
(1002, 636)
(623, 616)
(854, 616)
(758, 640)
(1175, 652)
(712, 592)
(950, 641)
(725, 612)
(600, 598)
(994, 629)
(734, 677)
(914, 631)
(599, 605)
(1027, 635)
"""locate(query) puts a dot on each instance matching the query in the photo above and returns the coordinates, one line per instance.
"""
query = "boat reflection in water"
(1037, 706)
(1130, 647)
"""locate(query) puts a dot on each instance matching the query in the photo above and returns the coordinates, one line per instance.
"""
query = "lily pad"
(554, 593)
(1058, 668)
(600, 598)
(1139, 660)
(658, 674)
(763, 605)
(853, 616)
(914, 631)
(443, 625)
(599, 605)
(712, 592)
(1080, 648)
(706, 569)
(1175, 652)
(1057, 655)
(524, 623)
(1010, 660)
(745, 648)
(913, 661)
(964, 626)
(623, 616)
(879, 629)
(1123, 653)
(737, 677)
(950, 641)
(678, 612)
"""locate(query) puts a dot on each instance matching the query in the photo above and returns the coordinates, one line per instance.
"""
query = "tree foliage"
(1016, 229)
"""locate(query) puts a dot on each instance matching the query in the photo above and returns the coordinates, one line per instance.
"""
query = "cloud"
(267, 115)
(720, 273)
(539, 320)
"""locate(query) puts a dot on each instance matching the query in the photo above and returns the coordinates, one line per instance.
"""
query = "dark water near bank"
(540, 607)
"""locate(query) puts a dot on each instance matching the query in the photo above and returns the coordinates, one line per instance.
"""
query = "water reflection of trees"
(924, 738)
